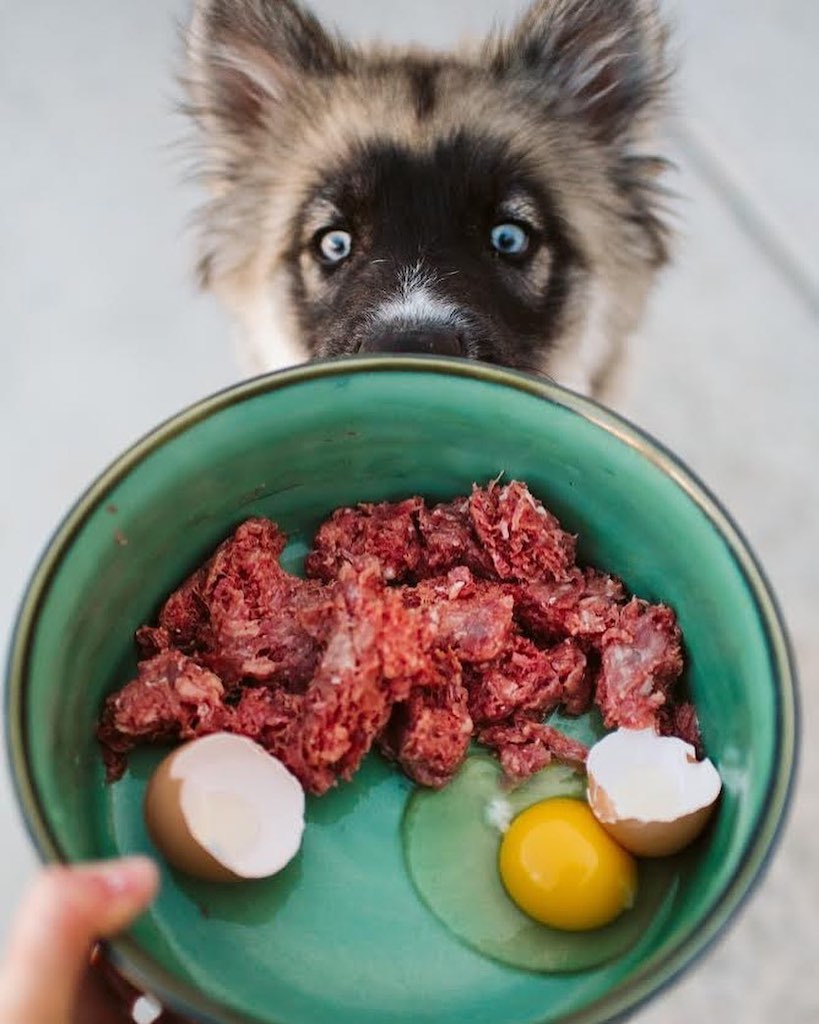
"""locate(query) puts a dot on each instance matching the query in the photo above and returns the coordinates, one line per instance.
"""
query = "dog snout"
(438, 341)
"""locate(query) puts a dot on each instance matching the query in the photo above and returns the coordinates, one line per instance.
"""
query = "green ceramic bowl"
(350, 943)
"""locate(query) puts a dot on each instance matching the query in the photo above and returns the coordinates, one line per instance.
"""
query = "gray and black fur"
(500, 205)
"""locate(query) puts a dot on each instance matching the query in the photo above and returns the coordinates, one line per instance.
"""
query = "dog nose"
(437, 341)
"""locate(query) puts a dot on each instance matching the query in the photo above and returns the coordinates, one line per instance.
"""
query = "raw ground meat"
(578, 689)
(419, 629)
(474, 619)
(585, 605)
(171, 698)
(272, 718)
(524, 678)
(428, 734)
(500, 531)
(348, 702)
(681, 721)
(385, 533)
(525, 746)
(522, 538)
(641, 660)
(243, 616)
(448, 540)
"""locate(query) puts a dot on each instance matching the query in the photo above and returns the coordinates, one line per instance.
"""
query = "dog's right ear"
(245, 57)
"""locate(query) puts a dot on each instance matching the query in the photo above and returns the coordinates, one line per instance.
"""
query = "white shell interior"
(241, 804)
(648, 777)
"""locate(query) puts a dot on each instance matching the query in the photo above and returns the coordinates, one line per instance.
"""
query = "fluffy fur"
(415, 157)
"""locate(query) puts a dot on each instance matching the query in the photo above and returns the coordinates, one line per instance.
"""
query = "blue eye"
(509, 239)
(335, 245)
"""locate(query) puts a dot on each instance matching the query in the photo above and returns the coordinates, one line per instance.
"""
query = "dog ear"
(246, 56)
(601, 60)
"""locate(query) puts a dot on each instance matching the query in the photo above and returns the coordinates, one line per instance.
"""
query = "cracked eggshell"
(650, 792)
(222, 809)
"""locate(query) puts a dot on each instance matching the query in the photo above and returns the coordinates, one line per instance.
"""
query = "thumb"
(65, 910)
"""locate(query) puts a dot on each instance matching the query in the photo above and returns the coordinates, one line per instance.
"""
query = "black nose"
(438, 341)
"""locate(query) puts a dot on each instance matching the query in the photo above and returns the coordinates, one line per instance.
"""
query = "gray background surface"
(102, 334)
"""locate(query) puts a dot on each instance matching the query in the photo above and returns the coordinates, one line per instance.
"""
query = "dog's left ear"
(602, 61)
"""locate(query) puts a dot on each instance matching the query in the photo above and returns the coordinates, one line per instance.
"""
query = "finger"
(65, 910)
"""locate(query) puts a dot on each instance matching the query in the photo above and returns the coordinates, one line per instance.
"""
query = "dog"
(501, 204)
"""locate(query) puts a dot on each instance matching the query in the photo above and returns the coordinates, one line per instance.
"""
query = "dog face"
(497, 205)
(455, 248)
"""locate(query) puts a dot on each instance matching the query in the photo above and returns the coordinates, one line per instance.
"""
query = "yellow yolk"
(562, 868)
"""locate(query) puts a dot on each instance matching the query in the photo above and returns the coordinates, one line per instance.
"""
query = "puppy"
(500, 205)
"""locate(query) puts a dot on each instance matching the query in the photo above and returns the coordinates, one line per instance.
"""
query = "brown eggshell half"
(648, 838)
(169, 830)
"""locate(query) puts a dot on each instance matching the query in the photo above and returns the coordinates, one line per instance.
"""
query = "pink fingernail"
(128, 877)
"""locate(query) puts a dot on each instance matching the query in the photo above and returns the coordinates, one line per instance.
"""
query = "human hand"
(45, 976)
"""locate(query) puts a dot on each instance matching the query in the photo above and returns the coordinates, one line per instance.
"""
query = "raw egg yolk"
(561, 867)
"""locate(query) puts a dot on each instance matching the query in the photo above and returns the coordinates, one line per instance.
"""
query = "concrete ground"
(102, 335)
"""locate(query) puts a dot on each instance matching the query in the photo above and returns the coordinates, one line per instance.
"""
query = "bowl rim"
(149, 974)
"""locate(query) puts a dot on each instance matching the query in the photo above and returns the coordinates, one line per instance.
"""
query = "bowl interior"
(340, 936)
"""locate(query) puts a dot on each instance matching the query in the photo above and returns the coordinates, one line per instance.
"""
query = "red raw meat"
(151, 640)
(271, 717)
(585, 606)
(256, 612)
(524, 678)
(184, 616)
(318, 670)
(578, 690)
(171, 698)
(525, 746)
(429, 733)
(641, 660)
(386, 533)
(243, 616)
(448, 541)
(523, 539)
(681, 721)
(348, 701)
(406, 644)
(473, 618)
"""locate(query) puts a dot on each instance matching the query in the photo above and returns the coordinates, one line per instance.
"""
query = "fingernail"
(129, 877)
